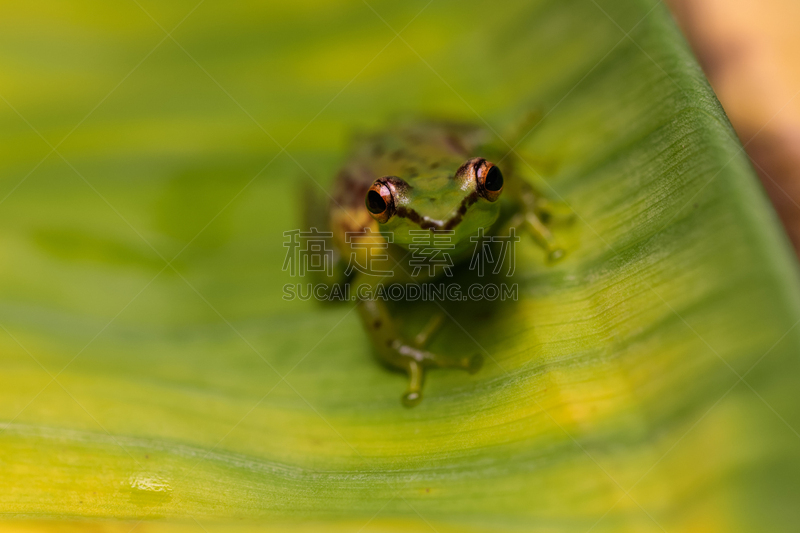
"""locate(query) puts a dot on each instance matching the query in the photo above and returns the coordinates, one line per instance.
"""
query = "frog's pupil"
(494, 180)
(375, 203)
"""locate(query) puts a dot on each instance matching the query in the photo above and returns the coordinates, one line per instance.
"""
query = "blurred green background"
(154, 378)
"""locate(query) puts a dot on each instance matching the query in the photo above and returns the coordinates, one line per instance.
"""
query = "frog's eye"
(380, 202)
(489, 180)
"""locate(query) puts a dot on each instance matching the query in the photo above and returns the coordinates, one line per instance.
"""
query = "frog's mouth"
(438, 225)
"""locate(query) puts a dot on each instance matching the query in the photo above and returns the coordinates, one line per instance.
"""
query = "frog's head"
(438, 201)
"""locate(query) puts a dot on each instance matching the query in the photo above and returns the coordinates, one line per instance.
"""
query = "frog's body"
(423, 177)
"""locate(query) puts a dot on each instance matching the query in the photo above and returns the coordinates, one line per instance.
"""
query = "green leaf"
(151, 369)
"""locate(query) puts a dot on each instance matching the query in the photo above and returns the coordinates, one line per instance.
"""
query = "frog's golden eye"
(489, 180)
(379, 201)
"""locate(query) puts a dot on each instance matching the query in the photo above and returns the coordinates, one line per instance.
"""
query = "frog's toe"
(556, 254)
(474, 363)
(411, 399)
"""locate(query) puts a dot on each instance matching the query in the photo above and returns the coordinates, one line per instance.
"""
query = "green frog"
(426, 177)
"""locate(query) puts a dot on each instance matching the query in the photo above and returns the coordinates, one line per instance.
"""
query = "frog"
(443, 177)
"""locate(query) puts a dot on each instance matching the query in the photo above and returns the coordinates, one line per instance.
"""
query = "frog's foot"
(420, 361)
(536, 228)
(542, 234)
(413, 394)
(555, 255)
(473, 363)
(550, 211)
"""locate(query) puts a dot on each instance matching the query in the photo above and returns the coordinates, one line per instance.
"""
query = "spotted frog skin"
(431, 176)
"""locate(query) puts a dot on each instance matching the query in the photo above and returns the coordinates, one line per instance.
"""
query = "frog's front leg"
(399, 353)
(531, 222)
(553, 211)
(431, 328)
(532, 212)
